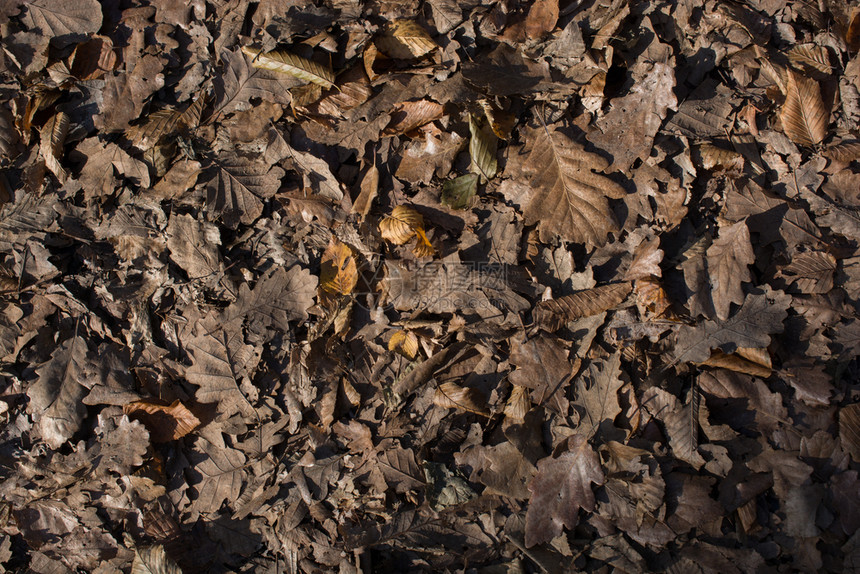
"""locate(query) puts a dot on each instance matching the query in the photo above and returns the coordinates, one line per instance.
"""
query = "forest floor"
(476, 286)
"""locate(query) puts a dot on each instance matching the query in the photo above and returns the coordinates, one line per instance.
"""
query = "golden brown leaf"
(551, 315)
(408, 116)
(541, 19)
(804, 117)
(401, 225)
(453, 396)
(405, 39)
(286, 63)
(755, 362)
(423, 247)
(164, 422)
(53, 138)
(651, 299)
(518, 403)
(500, 122)
(405, 343)
(338, 271)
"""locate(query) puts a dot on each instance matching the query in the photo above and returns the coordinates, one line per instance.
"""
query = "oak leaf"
(56, 396)
(560, 191)
(728, 258)
(560, 488)
(751, 326)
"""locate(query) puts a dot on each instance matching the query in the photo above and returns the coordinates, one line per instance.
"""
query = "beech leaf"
(284, 62)
(804, 117)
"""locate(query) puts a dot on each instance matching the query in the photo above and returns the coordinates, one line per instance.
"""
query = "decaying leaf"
(153, 560)
(56, 395)
(550, 315)
(750, 326)
(561, 192)
(728, 258)
(457, 193)
(453, 396)
(560, 489)
(804, 117)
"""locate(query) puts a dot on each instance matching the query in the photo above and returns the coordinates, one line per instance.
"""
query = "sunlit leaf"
(405, 39)
(338, 272)
(286, 63)
(404, 343)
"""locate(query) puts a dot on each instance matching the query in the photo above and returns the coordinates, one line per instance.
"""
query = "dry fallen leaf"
(286, 63)
(338, 271)
(561, 191)
(164, 422)
(405, 39)
(804, 117)
(405, 343)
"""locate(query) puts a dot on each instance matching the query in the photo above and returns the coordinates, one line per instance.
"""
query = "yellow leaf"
(338, 274)
(401, 225)
(405, 39)
(296, 66)
(404, 343)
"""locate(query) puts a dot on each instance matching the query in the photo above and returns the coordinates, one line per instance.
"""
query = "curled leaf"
(164, 422)
(408, 116)
(552, 314)
(518, 403)
(482, 149)
(53, 138)
(404, 343)
(296, 66)
(755, 362)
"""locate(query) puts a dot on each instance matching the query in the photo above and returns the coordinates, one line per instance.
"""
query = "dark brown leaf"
(561, 487)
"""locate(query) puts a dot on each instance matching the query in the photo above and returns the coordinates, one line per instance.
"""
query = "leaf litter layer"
(434, 286)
